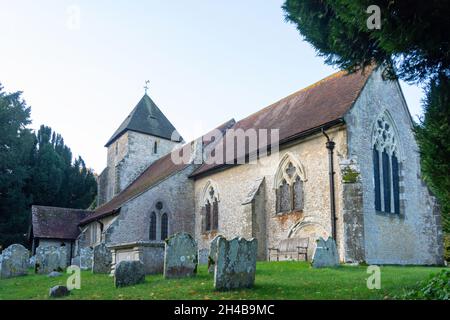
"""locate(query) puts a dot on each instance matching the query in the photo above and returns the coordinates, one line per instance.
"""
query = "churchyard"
(274, 280)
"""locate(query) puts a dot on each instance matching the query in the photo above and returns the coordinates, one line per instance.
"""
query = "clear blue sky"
(207, 61)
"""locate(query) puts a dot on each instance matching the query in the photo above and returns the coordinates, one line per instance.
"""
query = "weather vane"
(146, 85)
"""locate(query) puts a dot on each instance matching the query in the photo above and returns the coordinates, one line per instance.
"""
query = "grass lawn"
(274, 280)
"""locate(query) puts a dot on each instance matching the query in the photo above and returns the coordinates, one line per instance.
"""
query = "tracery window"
(289, 186)
(386, 165)
(210, 210)
(159, 222)
(152, 235)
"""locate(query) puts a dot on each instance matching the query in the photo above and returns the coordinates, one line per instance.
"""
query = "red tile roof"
(156, 172)
(56, 223)
(312, 107)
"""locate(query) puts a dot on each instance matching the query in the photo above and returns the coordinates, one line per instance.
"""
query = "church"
(345, 165)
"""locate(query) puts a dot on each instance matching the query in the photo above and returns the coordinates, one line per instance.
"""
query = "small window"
(210, 211)
(152, 233)
(116, 147)
(155, 147)
(164, 226)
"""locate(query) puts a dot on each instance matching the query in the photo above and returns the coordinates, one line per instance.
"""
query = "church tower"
(143, 137)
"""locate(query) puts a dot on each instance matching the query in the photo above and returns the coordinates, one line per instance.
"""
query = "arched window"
(164, 226)
(289, 185)
(152, 234)
(210, 209)
(386, 171)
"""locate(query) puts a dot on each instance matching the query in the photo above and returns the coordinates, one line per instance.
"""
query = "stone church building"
(346, 166)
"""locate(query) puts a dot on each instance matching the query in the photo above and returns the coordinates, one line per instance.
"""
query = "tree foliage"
(411, 37)
(35, 169)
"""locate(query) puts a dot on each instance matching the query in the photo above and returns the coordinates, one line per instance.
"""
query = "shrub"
(437, 287)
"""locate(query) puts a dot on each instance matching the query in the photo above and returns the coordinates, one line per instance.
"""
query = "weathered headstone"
(236, 263)
(50, 259)
(212, 256)
(326, 254)
(58, 292)
(129, 273)
(180, 256)
(102, 259)
(14, 261)
(84, 258)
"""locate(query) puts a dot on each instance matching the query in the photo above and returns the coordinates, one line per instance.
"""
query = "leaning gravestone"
(326, 254)
(129, 273)
(236, 263)
(212, 256)
(14, 261)
(180, 256)
(84, 259)
(50, 259)
(102, 259)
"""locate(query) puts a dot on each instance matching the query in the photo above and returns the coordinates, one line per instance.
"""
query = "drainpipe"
(330, 146)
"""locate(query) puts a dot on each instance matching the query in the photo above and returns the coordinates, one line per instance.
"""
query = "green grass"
(274, 280)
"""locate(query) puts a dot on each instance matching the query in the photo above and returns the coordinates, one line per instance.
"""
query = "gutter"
(285, 141)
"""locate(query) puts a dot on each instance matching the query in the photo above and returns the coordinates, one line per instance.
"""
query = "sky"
(82, 65)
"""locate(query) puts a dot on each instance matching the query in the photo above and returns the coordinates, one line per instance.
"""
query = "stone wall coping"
(130, 245)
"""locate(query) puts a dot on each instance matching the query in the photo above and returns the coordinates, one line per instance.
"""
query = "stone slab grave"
(14, 261)
(83, 259)
(180, 256)
(128, 273)
(236, 263)
(51, 258)
(102, 259)
(326, 254)
(212, 255)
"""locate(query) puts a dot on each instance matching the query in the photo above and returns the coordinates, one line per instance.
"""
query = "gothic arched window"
(386, 166)
(152, 232)
(164, 226)
(289, 185)
(210, 209)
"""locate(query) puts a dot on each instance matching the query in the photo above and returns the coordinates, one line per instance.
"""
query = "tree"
(35, 169)
(17, 144)
(411, 36)
(432, 134)
(414, 45)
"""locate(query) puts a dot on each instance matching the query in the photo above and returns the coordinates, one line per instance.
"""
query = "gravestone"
(14, 261)
(203, 256)
(129, 273)
(326, 254)
(236, 263)
(212, 256)
(58, 292)
(84, 259)
(180, 256)
(50, 259)
(102, 259)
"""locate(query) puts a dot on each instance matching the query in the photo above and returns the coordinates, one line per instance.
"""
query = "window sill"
(285, 213)
(390, 214)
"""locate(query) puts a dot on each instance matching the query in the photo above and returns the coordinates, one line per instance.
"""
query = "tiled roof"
(312, 107)
(146, 118)
(156, 172)
(56, 223)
